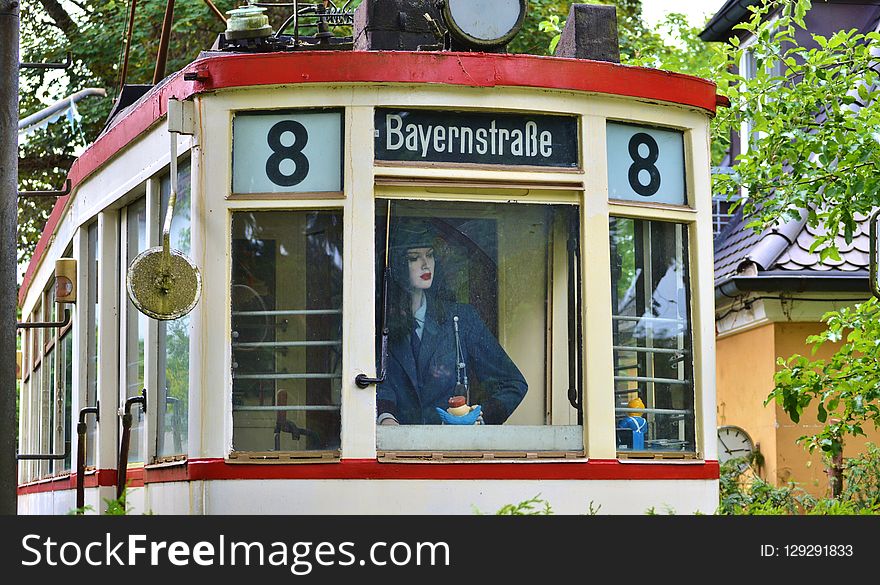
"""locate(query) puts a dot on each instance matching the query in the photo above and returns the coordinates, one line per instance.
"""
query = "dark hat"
(412, 233)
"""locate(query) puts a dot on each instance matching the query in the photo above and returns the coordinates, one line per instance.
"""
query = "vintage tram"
(568, 204)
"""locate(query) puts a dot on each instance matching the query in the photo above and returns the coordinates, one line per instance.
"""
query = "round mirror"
(484, 23)
(163, 286)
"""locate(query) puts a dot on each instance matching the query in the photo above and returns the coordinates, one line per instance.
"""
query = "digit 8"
(280, 153)
(646, 163)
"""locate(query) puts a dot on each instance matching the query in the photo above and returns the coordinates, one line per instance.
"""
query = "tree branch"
(62, 19)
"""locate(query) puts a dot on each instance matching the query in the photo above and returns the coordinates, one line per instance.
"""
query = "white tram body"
(216, 435)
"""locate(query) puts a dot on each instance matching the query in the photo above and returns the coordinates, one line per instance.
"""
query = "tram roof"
(214, 71)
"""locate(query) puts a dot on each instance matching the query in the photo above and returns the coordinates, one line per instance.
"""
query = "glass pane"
(286, 330)
(48, 416)
(173, 379)
(481, 304)
(64, 397)
(92, 313)
(645, 164)
(653, 364)
(136, 242)
(34, 427)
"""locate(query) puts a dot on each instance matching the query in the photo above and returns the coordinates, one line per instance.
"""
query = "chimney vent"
(590, 33)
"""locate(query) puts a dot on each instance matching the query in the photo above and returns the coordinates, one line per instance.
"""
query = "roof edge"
(801, 281)
(719, 27)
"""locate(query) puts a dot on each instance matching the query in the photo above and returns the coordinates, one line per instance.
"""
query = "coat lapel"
(430, 342)
(402, 352)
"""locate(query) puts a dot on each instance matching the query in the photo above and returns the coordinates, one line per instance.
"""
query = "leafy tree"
(673, 45)
(814, 140)
(93, 31)
(815, 124)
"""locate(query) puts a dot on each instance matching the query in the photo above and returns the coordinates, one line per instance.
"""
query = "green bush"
(743, 492)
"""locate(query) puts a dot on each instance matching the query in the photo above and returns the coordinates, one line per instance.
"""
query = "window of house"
(653, 352)
(286, 295)
(482, 303)
(173, 336)
(722, 212)
(135, 328)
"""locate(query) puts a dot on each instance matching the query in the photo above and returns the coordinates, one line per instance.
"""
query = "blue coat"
(411, 390)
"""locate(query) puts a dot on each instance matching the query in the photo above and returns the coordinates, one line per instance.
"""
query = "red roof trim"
(466, 69)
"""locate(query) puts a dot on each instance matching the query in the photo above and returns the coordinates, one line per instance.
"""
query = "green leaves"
(812, 116)
(845, 389)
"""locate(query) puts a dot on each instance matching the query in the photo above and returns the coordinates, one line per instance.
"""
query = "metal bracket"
(64, 191)
(181, 117)
(44, 324)
(68, 61)
(41, 457)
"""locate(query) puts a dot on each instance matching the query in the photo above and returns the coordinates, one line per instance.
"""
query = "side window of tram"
(136, 327)
(92, 310)
(653, 351)
(173, 336)
(286, 298)
(480, 302)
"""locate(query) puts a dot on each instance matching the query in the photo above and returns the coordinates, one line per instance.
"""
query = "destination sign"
(476, 137)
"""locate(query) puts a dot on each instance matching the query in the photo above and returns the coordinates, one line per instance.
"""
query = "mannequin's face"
(421, 267)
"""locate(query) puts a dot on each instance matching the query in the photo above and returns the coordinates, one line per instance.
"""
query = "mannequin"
(437, 347)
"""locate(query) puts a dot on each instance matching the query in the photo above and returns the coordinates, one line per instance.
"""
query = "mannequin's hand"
(468, 419)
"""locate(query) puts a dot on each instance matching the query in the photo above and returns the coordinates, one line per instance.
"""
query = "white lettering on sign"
(427, 140)
(645, 164)
(279, 152)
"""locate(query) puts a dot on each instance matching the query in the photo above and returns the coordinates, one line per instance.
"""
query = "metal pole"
(9, 59)
(128, 31)
(162, 57)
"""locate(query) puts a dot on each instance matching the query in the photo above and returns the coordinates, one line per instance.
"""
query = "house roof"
(719, 26)
(784, 251)
(780, 256)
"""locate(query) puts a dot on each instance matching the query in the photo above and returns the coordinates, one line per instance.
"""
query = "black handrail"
(81, 454)
(122, 464)
(575, 387)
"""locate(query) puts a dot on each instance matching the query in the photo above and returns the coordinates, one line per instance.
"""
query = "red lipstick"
(426, 276)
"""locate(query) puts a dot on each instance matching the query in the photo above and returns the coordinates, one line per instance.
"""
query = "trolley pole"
(9, 60)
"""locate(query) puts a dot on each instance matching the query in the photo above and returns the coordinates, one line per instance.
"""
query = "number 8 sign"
(645, 164)
(297, 151)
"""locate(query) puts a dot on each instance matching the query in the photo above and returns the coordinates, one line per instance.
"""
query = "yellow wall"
(745, 366)
(794, 463)
(744, 377)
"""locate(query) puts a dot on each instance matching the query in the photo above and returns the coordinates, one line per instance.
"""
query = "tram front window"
(653, 350)
(480, 301)
(286, 330)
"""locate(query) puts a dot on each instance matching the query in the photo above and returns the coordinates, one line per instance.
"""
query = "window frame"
(687, 351)
(296, 205)
(417, 194)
